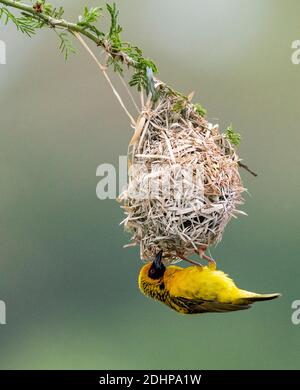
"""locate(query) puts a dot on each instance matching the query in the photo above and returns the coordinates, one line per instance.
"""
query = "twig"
(103, 70)
(142, 98)
(52, 22)
(64, 24)
(129, 93)
(247, 169)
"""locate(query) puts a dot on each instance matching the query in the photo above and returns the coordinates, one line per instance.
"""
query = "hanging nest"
(167, 206)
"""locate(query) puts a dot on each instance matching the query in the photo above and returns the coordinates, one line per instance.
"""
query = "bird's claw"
(211, 262)
(188, 260)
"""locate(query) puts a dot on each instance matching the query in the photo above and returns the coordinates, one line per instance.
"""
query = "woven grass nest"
(172, 144)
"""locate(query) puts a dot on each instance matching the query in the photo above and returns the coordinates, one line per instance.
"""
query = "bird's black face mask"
(157, 268)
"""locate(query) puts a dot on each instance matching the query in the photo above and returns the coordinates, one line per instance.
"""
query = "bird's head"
(152, 274)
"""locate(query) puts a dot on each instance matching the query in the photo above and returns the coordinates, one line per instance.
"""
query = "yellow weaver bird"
(195, 289)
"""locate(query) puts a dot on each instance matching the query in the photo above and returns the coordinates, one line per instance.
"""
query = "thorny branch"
(41, 14)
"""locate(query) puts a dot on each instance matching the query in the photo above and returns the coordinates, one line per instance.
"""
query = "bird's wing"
(194, 306)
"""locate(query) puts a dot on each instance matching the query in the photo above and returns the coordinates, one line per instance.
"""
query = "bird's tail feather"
(252, 297)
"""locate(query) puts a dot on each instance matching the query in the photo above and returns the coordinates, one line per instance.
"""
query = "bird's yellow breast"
(200, 282)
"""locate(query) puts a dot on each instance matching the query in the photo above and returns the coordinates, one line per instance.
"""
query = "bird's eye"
(152, 272)
(156, 273)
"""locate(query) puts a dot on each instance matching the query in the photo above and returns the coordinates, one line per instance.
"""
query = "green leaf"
(26, 24)
(200, 110)
(115, 28)
(66, 46)
(89, 15)
(232, 136)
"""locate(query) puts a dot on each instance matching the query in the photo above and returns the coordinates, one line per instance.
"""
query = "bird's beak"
(157, 268)
(157, 263)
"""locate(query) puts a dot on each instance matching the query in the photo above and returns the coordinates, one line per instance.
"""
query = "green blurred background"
(70, 288)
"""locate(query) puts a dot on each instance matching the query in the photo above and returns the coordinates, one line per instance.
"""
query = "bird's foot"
(211, 262)
(188, 260)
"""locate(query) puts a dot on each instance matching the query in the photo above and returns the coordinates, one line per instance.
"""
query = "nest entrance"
(183, 182)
